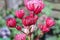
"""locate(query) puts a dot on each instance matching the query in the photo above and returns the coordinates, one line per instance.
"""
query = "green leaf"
(0, 17)
(27, 38)
(2, 22)
(10, 12)
(5, 39)
(1, 39)
(58, 38)
(58, 22)
(14, 31)
(32, 37)
(13, 13)
(19, 21)
(7, 12)
(56, 30)
(38, 32)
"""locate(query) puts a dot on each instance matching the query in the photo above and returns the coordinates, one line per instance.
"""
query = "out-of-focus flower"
(4, 32)
(11, 22)
(19, 28)
(26, 31)
(34, 5)
(43, 28)
(19, 13)
(21, 36)
(50, 22)
(33, 28)
(29, 20)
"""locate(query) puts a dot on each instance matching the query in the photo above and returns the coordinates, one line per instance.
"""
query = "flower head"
(20, 37)
(35, 5)
(11, 22)
(50, 22)
(43, 28)
(29, 20)
(19, 28)
(19, 13)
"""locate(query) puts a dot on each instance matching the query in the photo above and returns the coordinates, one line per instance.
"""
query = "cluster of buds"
(35, 7)
(49, 22)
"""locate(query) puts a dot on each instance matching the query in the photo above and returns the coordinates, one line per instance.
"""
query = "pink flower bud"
(50, 22)
(19, 13)
(11, 22)
(44, 28)
(20, 37)
(18, 28)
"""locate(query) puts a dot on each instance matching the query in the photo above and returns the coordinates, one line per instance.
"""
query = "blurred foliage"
(58, 38)
(5, 39)
(19, 21)
(14, 31)
(10, 12)
(2, 21)
(57, 27)
(47, 9)
(52, 38)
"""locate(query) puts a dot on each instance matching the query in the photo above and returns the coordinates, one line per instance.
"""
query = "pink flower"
(35, 5)
(11, 22)
(32, 14)
(20, 37)
(25, 2)
(36, 17)
(19, 13)
(50, 22)
(43, 28)
(29, 20)
(19, 28)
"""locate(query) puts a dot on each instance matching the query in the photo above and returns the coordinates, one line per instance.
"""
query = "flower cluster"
(35, 7)
(49, 22)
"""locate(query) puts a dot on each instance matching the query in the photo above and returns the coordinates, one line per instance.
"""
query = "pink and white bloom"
(34, 5)
(21, 36)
